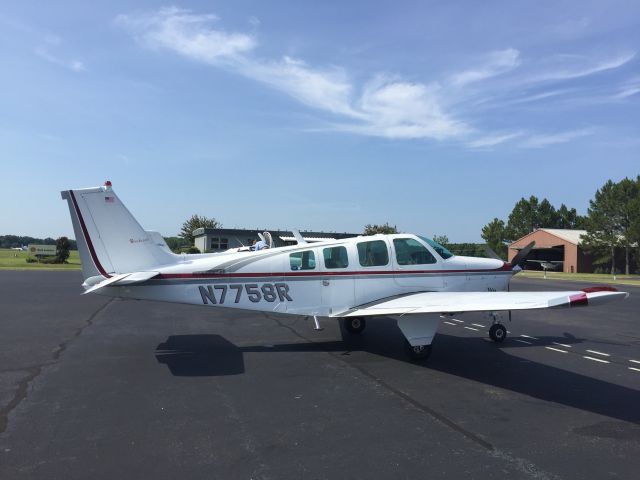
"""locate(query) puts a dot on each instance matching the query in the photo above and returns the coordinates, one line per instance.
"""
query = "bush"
(189, 250)
(31, 260)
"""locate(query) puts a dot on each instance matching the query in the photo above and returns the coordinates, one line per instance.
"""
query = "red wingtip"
(602, 288)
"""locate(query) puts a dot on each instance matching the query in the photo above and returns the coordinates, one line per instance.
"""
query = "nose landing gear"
(497, 332)
(355, 325)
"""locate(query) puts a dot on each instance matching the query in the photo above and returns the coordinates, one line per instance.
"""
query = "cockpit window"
(411, 252)
(443, 252)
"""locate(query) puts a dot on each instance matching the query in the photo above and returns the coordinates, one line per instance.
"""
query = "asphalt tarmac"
(97, 388)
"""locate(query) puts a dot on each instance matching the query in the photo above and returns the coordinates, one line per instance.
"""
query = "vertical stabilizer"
(110, 240)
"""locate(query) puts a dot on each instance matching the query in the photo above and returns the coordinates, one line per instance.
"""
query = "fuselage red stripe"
(92, 250)
(164, 276)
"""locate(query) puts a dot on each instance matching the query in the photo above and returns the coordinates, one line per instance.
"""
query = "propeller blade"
(522, 254)
(491, 252)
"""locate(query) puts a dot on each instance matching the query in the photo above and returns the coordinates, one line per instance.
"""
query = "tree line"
(612, 224)
(17, 241)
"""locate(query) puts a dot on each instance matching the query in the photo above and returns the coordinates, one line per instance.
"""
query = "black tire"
(418, 353)
(498, 332)
(355, 324)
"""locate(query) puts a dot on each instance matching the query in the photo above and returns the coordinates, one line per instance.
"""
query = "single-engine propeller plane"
(409, 278)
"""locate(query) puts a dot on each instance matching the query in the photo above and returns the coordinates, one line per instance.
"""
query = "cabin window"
(218, 243)
(373, 254)
(335, 257)
(412, 252)
(302, 260)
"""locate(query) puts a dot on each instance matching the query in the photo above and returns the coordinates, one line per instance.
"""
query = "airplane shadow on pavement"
(466, 357)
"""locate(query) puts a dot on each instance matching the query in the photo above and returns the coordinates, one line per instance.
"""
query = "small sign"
(43, 250)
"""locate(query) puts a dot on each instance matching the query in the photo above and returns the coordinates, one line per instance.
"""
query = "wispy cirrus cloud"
(496, 63)
(490, 141)
(384, 106)
(44, 51)
(544, 140)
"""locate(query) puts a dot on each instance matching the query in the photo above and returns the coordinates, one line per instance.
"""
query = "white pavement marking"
(556, 349)
(456, 320)
(634, 368)
(450, 323)
(635, 361)
(596, 359)
(478, 325)
(561, 344)
(471, 328)
(598, 353)
(522, 341)
(528, 336)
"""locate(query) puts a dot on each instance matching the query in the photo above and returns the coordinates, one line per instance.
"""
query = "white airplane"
(549, 264)
(409, 278)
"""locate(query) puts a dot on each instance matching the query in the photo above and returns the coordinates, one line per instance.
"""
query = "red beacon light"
(107, 184)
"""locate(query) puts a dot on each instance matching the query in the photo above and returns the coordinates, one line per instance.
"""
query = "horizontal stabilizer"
(123, 279)
(459, 302)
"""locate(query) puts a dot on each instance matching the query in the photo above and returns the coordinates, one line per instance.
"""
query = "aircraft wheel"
(418, 352)
(497, 332)
(355, 324)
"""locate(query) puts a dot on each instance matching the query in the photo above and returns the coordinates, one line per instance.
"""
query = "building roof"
(572, 236)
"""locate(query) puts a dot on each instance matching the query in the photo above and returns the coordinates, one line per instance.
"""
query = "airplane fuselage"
(321, 279)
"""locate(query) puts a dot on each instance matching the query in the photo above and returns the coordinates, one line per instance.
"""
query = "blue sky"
(433, 116)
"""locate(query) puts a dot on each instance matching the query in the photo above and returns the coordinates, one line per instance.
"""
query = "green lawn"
(585, 277)
(15, 260)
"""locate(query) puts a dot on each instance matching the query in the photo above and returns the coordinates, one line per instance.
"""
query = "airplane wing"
(458, 302)
(123, 279)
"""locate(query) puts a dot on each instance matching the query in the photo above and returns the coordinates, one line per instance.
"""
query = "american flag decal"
(109, 199)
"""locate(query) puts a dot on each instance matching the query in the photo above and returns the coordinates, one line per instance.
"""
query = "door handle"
(325, 283)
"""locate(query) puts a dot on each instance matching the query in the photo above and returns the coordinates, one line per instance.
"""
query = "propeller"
(522, 254)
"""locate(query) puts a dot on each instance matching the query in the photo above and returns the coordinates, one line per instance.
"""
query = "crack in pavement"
(33, 372)
(520, 464)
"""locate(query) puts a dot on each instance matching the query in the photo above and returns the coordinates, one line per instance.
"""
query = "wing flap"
(458, 302)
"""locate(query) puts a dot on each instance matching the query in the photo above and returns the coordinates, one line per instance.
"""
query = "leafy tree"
(604, 219)
(373, 229)
(494, 233)
(62, 249)
(569, 218)
(442, 240)
(627, 195)
(194, 223)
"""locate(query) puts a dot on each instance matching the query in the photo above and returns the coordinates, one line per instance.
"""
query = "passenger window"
(373, 254)
(412, 252)
(302, 260)
(335, 257)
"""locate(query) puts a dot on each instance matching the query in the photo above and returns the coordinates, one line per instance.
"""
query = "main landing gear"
(497, 332)
(355, 324)
(417, 352)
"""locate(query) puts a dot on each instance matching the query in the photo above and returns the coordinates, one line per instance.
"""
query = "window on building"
(335, 257)
(302, 260)
(411, 252)
(218, 243)
(373, 254)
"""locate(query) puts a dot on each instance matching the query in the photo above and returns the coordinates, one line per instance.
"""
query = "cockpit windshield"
(443, 252)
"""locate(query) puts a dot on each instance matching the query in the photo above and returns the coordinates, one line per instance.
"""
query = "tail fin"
(110, 240)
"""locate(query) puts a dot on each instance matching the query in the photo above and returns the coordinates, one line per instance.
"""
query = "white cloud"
(496, 63)
(187, 34)
(73, 65)
(630, 88)
(493, 140)
(568, 67)
(391, 109)
(385, 106)
(540, 141)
